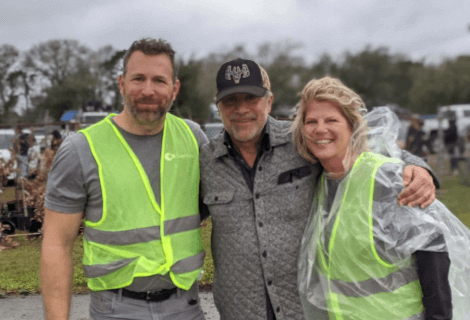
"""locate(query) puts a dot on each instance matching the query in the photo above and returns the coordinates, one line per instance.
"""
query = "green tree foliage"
(324, 67)
(59, 75)
(70, 94)
(72, 75)
(366, 72)
(106, 68)
(285, 70)
(192, 102)
(434, 86)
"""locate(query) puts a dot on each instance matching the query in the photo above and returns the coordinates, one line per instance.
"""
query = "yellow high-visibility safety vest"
(136, 237)
(358, 283)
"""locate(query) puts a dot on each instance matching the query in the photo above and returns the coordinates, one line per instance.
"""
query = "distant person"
(21, 144)
(415, 136)
(56, 140)
(467, 150)
(451, 142)
(70, 129)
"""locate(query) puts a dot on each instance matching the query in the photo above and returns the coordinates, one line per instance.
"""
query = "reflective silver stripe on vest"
(123, 237)
(189, 264)
(182, 224)
(182, 266)
(144, 234)
(419, 316)
(389, 283)
(100, 270)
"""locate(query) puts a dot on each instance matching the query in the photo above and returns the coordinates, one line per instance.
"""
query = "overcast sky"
(418, 28)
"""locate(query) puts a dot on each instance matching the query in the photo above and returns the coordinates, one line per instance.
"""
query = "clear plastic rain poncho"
(355, 251)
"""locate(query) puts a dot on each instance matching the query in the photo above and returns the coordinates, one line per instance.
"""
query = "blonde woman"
(363, 256)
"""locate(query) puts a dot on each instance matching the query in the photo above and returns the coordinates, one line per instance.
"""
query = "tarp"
(69, 115)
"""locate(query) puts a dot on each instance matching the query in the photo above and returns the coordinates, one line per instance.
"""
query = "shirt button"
(264, 254)
(260, 168)
(257, 196)
(270, 282)
(260, 224)
(278, 309)
(216, 198)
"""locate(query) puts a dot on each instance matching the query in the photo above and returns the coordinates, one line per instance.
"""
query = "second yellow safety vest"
(359, 283)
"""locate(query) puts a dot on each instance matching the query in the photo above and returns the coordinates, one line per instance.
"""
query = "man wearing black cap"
(258, 191)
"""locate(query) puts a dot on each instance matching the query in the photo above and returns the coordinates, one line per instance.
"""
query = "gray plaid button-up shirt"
(256, 235)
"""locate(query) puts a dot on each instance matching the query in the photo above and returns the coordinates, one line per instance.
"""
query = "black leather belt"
(156, 296)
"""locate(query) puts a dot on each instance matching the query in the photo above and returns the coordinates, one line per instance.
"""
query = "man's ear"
(270, 102)
(121, 84)
(176, 88)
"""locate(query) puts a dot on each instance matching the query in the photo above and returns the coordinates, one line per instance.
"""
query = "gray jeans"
(184, 305)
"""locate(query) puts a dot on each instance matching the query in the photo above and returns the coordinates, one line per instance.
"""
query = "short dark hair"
(56, 134)
(151, 47)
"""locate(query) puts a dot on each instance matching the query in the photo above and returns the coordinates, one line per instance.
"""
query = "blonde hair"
(334, 91)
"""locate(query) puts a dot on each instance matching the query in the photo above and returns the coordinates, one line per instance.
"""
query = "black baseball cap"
(239, 76)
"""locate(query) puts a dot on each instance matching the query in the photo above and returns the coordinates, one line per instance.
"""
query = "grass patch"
(19, 267)
(455, 190)
(208, 276)
(455, 196)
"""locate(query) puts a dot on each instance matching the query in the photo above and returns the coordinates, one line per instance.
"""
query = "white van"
(459, 112)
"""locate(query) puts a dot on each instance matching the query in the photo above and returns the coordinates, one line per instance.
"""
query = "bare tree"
(9, 80)
(56, 60)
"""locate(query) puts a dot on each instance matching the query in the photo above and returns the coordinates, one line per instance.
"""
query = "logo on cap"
(236, 73)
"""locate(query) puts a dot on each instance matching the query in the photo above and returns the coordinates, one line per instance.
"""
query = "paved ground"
(30, 307)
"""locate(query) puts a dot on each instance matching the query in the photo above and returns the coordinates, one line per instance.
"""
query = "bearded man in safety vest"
(142, 242)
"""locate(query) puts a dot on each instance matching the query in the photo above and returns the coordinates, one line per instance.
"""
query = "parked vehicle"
(459, 112)
(212, 130)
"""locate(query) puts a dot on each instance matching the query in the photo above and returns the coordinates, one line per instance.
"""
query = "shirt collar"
(263, 144)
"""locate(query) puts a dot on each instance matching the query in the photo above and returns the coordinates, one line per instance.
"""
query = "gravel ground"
(30, 307)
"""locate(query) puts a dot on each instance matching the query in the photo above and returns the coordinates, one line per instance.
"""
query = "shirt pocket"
(292, 201)
(223, 208)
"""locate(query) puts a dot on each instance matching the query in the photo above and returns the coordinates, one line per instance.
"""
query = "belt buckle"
(147, 297)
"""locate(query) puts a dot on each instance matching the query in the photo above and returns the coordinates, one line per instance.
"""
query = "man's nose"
(148, 88)
(241, 106)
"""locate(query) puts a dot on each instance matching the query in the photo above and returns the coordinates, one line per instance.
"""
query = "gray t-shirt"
(73, 185)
